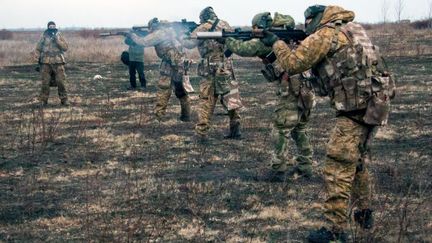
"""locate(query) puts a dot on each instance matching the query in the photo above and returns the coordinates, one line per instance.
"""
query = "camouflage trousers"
(208, 100)
(290, 123)
(345, 173)
(165, 87)
(58, 71)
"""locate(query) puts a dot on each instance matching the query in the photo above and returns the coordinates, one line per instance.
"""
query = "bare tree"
(384, 10)
(400, 4)
(430, 14)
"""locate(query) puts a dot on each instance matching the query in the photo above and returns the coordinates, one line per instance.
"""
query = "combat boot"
(304, 171)
(324, 235)
(185, 109)
(364, 218)
(234, 132)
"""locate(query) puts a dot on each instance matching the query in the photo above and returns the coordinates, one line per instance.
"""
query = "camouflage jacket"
(343, 69)
(211, 50)
(251, 48)
(50, 49)
(315, 47)
(165, 42)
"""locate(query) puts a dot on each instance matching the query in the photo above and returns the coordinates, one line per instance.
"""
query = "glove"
(269, 38)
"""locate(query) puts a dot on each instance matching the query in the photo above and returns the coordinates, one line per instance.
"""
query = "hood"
(333, 13)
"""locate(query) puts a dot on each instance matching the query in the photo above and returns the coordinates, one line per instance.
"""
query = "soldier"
(360, 89)
(50, 49)
(136, 64)
(216, 73)
(164, 39)
(294, 107)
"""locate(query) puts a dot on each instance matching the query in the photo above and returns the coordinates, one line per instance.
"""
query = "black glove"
(269, 38)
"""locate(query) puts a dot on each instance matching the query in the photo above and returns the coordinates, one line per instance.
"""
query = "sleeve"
(61, 42)
(251, 48)
(310, 51)
(192, 43)
(151, 39)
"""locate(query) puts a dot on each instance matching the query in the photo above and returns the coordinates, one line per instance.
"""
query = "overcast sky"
(125, 13)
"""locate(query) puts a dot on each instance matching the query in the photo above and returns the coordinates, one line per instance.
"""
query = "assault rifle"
(283, 34)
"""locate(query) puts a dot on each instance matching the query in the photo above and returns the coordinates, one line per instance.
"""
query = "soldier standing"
(50, 49)
(293, 109)
(360, 89)
(136, 64)
(216, 73)
(164, 39)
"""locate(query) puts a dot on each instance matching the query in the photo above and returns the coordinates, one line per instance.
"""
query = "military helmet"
(153, 23)
(207, 14)
(314, 14)
(262, 20)
(283, 21)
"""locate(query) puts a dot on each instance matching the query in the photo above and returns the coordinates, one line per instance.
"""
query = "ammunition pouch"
(222, 81)
(269, 73)
(306, 99)
(378, 106)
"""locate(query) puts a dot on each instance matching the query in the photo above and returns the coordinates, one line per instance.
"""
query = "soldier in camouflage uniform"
(136, 64)
(164, 39)
(291, 114)
(217, 76)
(360, 89)
(50, 49)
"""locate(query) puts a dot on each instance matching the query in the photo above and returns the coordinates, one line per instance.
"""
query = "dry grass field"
(103, 170)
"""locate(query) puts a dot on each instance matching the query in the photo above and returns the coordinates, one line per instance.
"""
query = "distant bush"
(6, 34)
(422, 24)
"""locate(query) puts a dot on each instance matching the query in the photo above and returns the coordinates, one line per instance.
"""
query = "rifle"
(182, 26)
(283, 34)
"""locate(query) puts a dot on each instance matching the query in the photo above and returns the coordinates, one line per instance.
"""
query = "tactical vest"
(355, 76)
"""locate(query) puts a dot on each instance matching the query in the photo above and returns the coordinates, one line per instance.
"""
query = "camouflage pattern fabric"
(206, 108)
(171, 69)
(316, 46)
(345, 172)
(51, 49)
(58, 71)
(290, 121)
(251, 48)
(216, 73)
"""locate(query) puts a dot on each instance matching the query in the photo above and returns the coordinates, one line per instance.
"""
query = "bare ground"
(104, 170)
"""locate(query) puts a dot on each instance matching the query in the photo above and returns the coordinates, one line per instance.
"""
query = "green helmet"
(262, 20)
(207, 14)
(153, 23)
(283, 21)
(315, 13)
